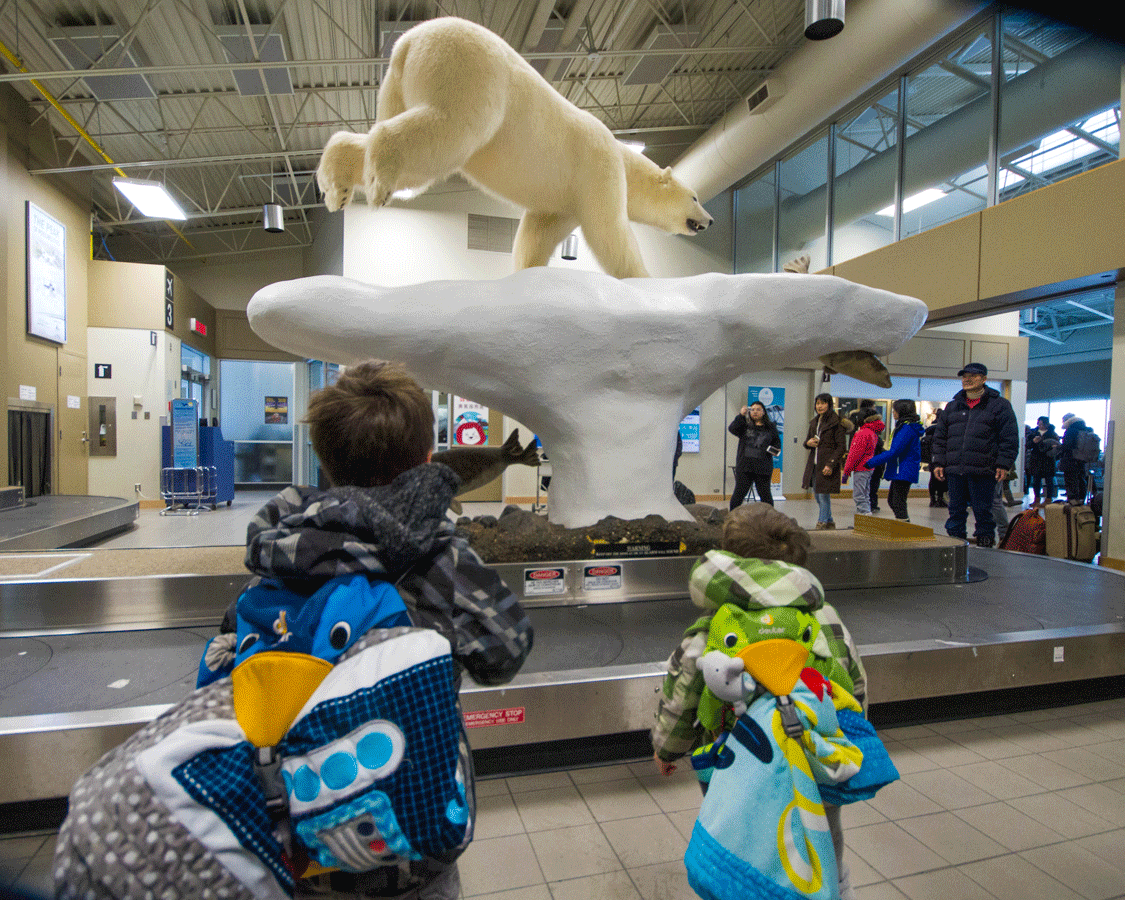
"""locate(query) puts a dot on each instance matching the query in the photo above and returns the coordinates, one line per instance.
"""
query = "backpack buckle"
(790, 724)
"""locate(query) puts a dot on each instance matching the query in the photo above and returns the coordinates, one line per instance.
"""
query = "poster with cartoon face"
(470, 423)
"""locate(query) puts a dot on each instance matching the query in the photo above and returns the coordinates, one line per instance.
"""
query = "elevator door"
(29, 451)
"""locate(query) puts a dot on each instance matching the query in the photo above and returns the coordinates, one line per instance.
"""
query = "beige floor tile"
(1081, 760)
(645, 841)
(683, 821)
(521, 784)
(1100, 799)
(1012, 878)
(492, 787)
(998, 721)
(609, 800)
(559, 807)
(1079, 869)
(948, 789)
(499, 864)
(954, 726)
(674, 794)
(989, 744)
(1118, 784)
(573, 852)
(603, 773)
(497, 817)
(862, 813)
(860, 872)
(610, 886)
(1034, 739)
(1035, 715)
(882, 891)
(1046, 773)
(1056, 812)
(907, 760)
(1108, 847)
(664, 881)
(941, 885)
(900, 800)
(952, 838)
(943, 751)
(535, 892)
(1009, 827)
(892, 852)
(999, 780)
(906, 732)
(1111, 750)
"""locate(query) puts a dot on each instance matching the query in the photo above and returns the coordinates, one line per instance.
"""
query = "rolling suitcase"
(1071, 531)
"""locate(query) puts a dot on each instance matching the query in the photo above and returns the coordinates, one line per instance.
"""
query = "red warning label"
(487, 717)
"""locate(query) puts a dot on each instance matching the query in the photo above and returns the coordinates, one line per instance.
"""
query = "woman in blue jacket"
(904, 458)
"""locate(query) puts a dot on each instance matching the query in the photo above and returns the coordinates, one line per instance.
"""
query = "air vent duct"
(765, 96)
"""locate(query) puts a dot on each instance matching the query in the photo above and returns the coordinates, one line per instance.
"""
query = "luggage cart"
(188, 491)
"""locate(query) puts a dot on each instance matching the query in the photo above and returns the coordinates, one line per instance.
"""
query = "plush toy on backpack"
(785, 740)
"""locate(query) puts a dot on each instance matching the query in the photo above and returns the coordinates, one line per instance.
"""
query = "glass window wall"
(866, 169)
(948, 125)
(802, 215)
(1049, 130)
(755, 204)
(1059, 114)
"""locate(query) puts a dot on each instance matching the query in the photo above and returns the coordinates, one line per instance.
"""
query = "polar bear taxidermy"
(457, 98)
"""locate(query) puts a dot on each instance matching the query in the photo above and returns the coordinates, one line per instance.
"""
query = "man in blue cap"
(976, 443)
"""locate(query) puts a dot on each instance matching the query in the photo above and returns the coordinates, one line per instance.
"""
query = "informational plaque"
(46, 276)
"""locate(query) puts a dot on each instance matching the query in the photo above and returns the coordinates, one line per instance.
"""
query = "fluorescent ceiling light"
(405, 194)
(151, 198)
(913, 202)
(639, 146)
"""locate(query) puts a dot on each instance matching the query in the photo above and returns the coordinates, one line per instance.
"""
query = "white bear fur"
(457, 98)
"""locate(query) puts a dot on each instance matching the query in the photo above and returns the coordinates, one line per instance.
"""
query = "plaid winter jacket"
(721, 577)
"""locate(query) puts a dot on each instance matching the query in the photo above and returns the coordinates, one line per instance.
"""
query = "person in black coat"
(758, 444)
(1074, 470)
(1042, 447)
(976, 444)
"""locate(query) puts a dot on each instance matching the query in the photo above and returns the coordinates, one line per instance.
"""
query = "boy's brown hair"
(758, 530)
(372, 425)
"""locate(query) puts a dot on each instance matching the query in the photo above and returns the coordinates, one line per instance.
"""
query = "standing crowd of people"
(970, 448)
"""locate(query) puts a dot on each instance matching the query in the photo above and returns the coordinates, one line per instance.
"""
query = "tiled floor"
(1029, 806)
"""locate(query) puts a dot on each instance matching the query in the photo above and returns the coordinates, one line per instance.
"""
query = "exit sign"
(197, 326)
(103, 370)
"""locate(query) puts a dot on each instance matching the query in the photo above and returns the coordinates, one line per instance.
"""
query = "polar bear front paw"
(378, 193)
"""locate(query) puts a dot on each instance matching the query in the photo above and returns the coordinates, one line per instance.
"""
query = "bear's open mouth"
(695, 226)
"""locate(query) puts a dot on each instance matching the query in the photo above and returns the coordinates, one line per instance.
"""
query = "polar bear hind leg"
(538, 236)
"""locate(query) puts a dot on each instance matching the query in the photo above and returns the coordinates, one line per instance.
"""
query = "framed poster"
(46, 276)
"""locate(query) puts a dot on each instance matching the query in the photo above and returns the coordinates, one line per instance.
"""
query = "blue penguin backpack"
(336, 743)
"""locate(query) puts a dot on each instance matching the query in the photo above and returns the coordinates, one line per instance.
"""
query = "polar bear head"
(341, 168)
(656, 198)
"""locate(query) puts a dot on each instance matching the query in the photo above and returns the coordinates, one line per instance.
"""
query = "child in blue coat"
(904, 458)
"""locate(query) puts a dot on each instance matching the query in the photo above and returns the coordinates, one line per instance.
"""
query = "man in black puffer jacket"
(976, 443)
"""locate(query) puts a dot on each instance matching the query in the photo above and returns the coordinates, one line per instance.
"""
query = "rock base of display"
(519, 535)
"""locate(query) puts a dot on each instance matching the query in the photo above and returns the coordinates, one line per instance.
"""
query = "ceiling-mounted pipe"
(820, 78)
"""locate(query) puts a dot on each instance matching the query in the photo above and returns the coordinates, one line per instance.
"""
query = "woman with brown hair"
(826, 443)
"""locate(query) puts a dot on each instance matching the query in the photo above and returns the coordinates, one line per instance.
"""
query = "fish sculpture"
(858, 364)
(477, 466)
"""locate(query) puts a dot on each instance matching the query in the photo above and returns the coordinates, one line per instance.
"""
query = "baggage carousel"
(86, 661)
